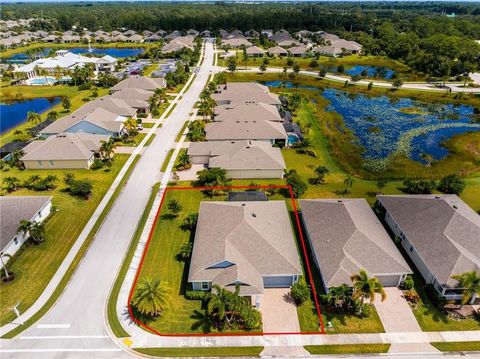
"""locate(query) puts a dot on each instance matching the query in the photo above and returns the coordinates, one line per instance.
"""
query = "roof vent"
(247, 147)
(455, 207)
(437, 197)
(243, 204)
(340, 200)
(254, 215)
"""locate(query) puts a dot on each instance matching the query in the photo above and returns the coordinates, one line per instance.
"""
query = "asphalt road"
(75, 327)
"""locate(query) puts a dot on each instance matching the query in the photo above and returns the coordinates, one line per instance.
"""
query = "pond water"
(373, 72)
(384, 126)
(96, 51)
(14, 113)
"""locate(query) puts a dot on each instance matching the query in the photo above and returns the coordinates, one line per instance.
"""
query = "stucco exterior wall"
(59, 164)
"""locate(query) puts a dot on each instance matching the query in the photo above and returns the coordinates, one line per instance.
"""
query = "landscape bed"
(183, 316)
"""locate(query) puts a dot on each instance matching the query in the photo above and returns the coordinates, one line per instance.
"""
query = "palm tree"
(131, 126)
(15, 161)
(11, 184)
(339, 295)
(106, 149)
(348, 182)
(24, 227)
(32, 116)
(151, 296)
(321, 172)
(366, 288)
(37, 232)
(470, 282)
(52, 115)
(223, 303)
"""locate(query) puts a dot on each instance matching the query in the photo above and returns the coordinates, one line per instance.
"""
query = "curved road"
(75, 326)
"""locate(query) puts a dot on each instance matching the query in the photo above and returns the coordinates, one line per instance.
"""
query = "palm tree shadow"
(202, 322)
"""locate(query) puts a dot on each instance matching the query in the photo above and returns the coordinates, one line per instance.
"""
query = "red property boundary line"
(304, 250)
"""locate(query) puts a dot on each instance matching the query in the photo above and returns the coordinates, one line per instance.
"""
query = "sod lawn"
(457, 346)
(34, 265)
(347, 349)
(203, 352)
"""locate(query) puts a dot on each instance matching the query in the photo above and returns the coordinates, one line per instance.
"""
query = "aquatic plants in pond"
(384, 130)
(379, 72)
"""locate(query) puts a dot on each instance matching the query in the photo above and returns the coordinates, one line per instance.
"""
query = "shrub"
(300, 292)
(434, 297)
(299, 187)
(408, 283)
(185, 252)
(85, 86)
(68, 178)
(451, 184)
(366, 311)
(411, 296)
(97, 164)
(250, 317)
(195, 294)
(419, 187)
(81, 188)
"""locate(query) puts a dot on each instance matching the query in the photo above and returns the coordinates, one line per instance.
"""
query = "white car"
(139, 127)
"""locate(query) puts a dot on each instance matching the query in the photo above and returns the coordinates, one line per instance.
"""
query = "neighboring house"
(250, 244)
(252, 33)
(327, 50)
(440, 234)
(192, 32)
(206, 33)
(345, 237)
(173, 35)
(135, 38)
(65, 150)
(277, 51)
(241, 159)
(247, 111)
(288, 43)
(235, 93)
(139, 82)
(250, 129)
(236, 42)
(136, 98)
(300, 50)
(67, 61)
(98, 122)
(179, 43)
(255, 51)
(153, 38)
(114, 105)
(20, 208)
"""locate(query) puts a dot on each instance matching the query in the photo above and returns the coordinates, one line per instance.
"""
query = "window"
(411, 248)
(15, 240)
(39, 163)
(51, 163)
(205, 286)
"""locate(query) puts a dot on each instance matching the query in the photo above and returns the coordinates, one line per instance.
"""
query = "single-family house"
(153, 38)
(241, 159)
(277, 51)
(255, 51)
(298, 51)
(249, 244)
(139, 82)
(15, 209)
(64, 150)
(136, 98)
(179, 43)
(206, 33)
(235, 93)
(246, 111)
(345, 237)
(236, 42)
(440, 234)
(114, 105)
(173, 35)
(252, 33)
(98, 121)
(193, 32)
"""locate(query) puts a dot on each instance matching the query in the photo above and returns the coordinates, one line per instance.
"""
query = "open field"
(12, 93)
(36, 264)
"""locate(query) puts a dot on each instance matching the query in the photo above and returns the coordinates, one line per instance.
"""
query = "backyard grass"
(203, 352)
(17, 93)
(347, 349)
(113, 321)
(456, 346)
(35, 264)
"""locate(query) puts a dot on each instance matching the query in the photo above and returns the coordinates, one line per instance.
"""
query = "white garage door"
(389, 280)
(277, 281)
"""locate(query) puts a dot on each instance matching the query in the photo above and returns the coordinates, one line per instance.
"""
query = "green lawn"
(457, 346)
(347, 349)
(12, 93)
(203, 352)
(135, 141)
(36, 264)
(167, 160)
(348, 61)
(113, 321)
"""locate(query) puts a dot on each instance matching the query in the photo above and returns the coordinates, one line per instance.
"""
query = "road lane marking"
(64, 337)
(59, 350)
(53, 326)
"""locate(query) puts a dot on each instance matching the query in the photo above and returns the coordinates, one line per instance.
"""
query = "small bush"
(195, 294)
(81, 188)
(85, 86)
(97, 164)
(411, 296)
(408, 283)
(300, 292)
(366, 311)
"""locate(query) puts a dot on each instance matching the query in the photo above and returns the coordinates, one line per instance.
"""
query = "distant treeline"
(419, 34)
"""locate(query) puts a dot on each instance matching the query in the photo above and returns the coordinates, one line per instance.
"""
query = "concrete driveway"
(397, 317)
(279, 313)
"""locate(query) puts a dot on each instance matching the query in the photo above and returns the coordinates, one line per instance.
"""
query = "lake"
(384, 126)
(97, 51)
(14, 113)
(373, 72)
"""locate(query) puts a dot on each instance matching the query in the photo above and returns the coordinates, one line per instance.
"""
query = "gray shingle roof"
(255, 237)
(14, 209)
(245, 130)
(346, 237)
(442, 228)
(239, 155)
(241, 92)
(140, 82)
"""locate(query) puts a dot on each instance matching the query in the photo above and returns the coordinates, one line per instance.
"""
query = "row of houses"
(252, 244)
(301, 44)
(74, 141)
(245, 134)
